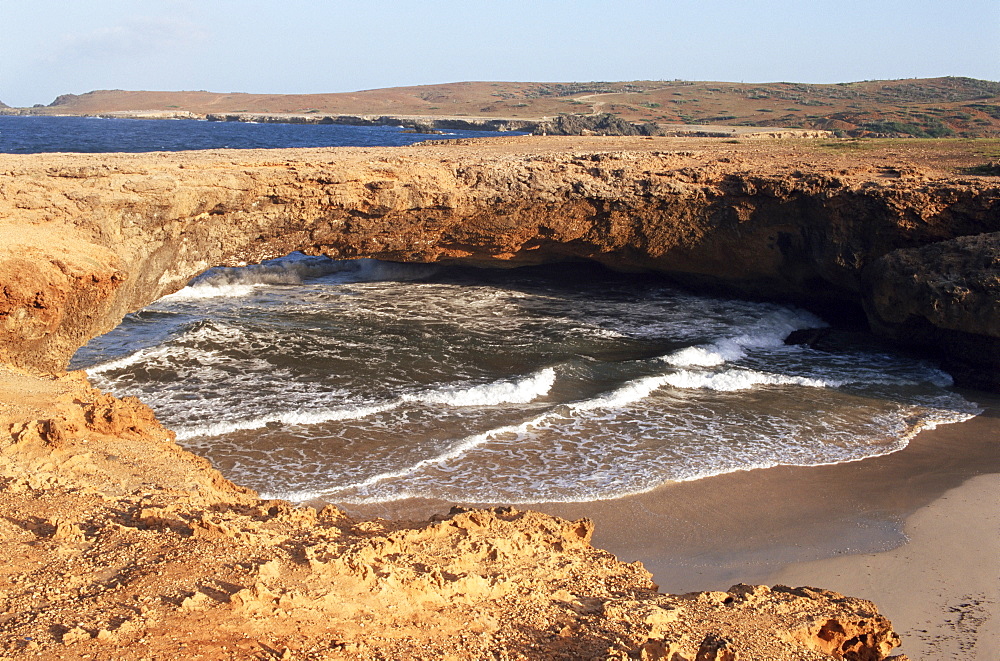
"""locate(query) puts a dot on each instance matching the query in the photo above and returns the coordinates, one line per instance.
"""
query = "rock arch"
(89, 238)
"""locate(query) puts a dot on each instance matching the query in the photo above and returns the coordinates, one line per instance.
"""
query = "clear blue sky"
(50, 47)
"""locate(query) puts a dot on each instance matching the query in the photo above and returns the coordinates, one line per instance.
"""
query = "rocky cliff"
(89, 238)
(116, 543)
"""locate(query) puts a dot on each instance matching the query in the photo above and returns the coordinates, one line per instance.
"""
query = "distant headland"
(924, 107)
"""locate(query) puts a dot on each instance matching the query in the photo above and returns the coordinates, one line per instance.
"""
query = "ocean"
(360, 382)
(370, 382)
(37, 134)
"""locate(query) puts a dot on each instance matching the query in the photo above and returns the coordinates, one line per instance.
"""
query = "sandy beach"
(916, 531)
(941, 589)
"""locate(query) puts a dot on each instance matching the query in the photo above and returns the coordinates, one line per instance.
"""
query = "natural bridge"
(88, 238)
(117, 543)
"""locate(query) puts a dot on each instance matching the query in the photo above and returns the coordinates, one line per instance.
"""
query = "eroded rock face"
(944, 295)
(51, 286)
(119, 544)
(131, 228)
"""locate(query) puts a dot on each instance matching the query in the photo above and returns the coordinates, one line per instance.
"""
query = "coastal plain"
(119, 544)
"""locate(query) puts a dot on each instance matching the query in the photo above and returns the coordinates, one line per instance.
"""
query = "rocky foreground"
(116, 543)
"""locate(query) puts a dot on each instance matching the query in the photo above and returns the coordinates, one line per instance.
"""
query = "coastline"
(941, 589)
(864, 528)
(115, 538)
(434, 123)
(744, 526)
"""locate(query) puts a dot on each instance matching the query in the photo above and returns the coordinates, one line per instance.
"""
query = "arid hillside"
(929, 107)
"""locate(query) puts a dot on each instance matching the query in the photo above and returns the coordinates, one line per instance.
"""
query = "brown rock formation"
(90, 238)
(116, 543)
(946, 295)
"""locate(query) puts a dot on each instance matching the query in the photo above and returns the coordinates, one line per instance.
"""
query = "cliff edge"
(89, 238)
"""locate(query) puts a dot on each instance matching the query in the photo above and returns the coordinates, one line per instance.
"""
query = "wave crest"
(499, 392)
(768, 332)
(295, 269)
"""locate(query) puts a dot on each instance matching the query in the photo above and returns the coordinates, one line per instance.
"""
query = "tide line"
(631, 392)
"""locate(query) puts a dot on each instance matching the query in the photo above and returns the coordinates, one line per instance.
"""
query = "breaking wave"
(364, 381)
(228, 282)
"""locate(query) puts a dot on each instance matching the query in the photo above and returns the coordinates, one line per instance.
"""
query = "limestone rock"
(944, 295)
(89, 238)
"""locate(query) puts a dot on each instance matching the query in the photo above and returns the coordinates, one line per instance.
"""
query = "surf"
(363, 382)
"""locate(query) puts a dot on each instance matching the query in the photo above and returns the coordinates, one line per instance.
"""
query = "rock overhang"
(107, 234)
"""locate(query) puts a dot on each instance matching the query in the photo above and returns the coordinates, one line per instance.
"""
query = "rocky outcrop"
(89, 238)
(598, 124)
(116, 543)
(607, 124)
(420, 124)
(943, 295)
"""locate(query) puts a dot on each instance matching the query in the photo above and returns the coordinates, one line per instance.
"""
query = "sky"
(53, 47)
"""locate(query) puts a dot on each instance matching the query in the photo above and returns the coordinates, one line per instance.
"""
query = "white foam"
(770, 331)
(217, 332)
(567, 491)
(727, 380)
(732, 380)
(454, 452)
(700, 356)
(499, 392)
(286, 418)
(202, 291)
(631, 392)
(139, 356)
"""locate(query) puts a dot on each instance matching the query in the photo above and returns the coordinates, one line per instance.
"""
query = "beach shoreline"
(940, 589)
(819, 525)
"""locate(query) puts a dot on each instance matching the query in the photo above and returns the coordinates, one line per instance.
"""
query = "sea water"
(36, 134)
(364, 382)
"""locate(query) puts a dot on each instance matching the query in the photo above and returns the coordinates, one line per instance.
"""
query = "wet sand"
(744, 526)
(941, 589)
(820, 526)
